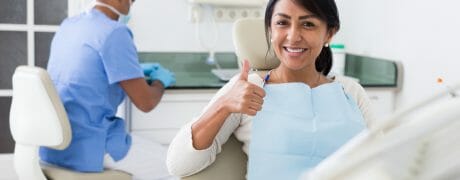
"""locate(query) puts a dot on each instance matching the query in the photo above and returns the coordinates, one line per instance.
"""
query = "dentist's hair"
(327, 11)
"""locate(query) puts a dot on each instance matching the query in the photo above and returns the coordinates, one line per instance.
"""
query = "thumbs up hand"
(244, 71)
(244, 97)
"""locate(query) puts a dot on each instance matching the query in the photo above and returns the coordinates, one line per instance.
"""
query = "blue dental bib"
(298, 127)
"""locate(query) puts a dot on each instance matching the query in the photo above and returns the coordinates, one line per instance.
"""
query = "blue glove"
(149, 67)
(166, 77)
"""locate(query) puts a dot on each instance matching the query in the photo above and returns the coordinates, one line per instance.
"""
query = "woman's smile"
(294, 51)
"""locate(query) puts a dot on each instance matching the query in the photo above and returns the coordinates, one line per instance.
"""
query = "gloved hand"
(149, 67)
(166, 77)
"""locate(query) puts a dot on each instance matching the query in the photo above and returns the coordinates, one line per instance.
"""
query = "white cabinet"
(176, 108)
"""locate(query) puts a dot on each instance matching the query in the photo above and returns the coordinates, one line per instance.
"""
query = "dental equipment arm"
(395, 131)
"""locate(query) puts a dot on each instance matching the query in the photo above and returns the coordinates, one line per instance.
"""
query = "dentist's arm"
(147, 97)
(143, 96)
(244, 97)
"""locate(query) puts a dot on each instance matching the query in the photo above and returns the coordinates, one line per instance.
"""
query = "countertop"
(192, 71)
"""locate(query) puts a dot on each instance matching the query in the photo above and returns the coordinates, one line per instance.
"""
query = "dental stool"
(38, 118)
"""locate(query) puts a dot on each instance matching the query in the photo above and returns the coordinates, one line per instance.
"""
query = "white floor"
(6, 167)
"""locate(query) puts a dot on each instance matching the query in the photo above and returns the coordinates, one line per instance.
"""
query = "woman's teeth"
(295, 50)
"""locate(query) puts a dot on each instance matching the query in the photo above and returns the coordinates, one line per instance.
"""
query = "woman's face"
(297, 35)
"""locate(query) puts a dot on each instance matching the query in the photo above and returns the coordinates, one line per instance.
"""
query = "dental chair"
(250, 43)
(420, 142)
(38, 118)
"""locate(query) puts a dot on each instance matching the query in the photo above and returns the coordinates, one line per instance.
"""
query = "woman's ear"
(269, 33)
(330, 34)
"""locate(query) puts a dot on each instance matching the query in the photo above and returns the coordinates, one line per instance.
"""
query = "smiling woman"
(295, 114)
(300, 32)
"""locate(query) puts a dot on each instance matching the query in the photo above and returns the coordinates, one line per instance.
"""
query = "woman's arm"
(196, 145)
(242, 97)
(183, 159)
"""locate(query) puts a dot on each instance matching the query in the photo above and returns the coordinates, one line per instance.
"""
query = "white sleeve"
(183, 159)
(364, 104)
(358, 93)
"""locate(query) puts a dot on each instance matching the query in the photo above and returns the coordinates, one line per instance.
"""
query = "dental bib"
(298, 127)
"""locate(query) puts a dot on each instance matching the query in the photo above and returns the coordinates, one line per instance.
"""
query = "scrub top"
(90, 55)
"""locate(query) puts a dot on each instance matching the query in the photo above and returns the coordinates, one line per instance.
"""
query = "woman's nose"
(294, 34)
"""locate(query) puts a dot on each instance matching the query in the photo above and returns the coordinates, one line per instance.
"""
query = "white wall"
(423, 34)
(165, 26)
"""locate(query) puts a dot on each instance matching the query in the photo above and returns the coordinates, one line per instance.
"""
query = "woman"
(289, 119)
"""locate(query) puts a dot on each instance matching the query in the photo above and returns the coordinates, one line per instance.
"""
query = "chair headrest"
(250, 43)
(37, 116)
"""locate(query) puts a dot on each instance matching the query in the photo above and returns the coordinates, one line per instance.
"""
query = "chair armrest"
(230, 164)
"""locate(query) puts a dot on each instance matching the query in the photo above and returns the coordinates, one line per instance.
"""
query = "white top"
(184, 160)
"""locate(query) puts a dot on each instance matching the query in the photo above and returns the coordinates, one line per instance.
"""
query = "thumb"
(245, 71)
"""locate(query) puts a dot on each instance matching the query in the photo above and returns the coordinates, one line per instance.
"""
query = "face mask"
(122, 18)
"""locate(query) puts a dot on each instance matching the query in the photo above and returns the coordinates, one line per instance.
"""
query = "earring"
(326, 45)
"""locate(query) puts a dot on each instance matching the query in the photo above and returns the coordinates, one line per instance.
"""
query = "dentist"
(94, 65)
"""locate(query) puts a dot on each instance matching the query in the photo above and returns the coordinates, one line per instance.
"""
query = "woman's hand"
(244, 97)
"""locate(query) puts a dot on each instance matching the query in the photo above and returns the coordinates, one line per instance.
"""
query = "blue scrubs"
(90, 55)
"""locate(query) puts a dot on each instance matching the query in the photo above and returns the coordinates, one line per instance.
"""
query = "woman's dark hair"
(326, 10)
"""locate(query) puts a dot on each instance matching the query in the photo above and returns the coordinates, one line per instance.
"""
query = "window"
(26, 30)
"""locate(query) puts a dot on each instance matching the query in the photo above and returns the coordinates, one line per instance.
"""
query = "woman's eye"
(280, 22)
(308, 24)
